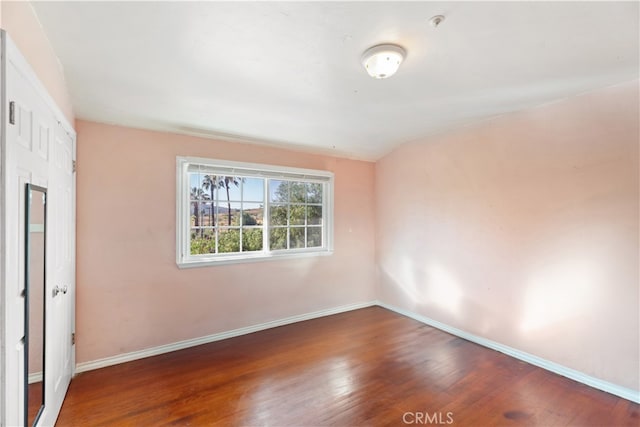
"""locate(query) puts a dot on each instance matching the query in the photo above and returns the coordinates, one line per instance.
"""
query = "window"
(229, 212)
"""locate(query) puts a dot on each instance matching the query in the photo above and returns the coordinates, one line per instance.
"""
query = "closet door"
(38, 149)
(28, 133)
(60, 309)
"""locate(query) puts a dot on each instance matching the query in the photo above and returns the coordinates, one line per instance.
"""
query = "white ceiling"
(290, 74)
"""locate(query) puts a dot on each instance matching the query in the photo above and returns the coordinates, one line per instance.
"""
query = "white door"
(37, 150)
(61, 277)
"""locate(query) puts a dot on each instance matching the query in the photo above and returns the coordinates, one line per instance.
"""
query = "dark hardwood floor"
(365, 367)
(34, 400)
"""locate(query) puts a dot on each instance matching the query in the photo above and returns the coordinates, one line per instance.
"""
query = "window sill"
(247, 259)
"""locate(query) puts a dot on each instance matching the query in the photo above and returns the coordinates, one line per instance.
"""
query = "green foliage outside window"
(295, 218)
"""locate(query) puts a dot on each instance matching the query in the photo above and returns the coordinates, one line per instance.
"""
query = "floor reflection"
(35, 401)
(333, 382)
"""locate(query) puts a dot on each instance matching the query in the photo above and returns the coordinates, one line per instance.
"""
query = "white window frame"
(184, 259)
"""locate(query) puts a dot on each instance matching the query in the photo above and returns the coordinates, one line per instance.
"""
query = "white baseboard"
(141, 354)
(34, 378)
(625, 393)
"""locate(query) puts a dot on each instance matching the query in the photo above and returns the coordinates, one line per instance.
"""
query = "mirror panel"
(35, 236)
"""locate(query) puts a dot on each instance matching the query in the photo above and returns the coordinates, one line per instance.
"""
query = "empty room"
(319, 213)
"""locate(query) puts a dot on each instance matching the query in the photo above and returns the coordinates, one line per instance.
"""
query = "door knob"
(59, 289)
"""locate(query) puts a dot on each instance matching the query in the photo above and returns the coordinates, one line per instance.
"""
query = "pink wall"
(130, 293)
(20, 22)
(524, 230)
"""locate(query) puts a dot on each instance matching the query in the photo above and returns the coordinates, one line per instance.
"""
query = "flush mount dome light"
(383, 60)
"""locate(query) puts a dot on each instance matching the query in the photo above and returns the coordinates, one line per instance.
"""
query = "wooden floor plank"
(365, 367)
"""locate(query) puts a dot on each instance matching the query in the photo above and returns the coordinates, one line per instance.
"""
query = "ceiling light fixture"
(383, 60)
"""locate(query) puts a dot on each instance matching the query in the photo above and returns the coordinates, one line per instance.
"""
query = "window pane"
(206, 208)
(278, 238)
(277, 215)
(251, 239)
(193, 214)
(314, 237)
(296, 214)
(252, 214)
(218, 210)
(229, 240)
(229, 213)
(297, 192)
(198, 193)
(253, 190)
(209, 185)
(197, 213)
(203, 241)
(229, 188)
(314, 215)
(296, 238)
(278, 190)
(195, 180)
(314, 193)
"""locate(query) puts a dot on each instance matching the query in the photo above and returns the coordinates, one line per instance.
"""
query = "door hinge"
(74, 166)
(73, 338)
(12, 113)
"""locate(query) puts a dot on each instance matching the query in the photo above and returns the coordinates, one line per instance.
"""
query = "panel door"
(61, 277)
(37, 151)
(29, 136)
